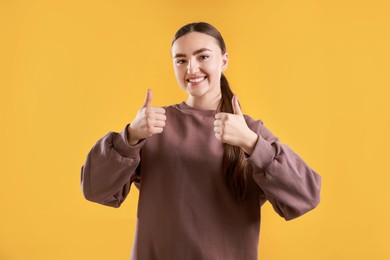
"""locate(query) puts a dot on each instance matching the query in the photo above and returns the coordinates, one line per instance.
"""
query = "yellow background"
(316, 73)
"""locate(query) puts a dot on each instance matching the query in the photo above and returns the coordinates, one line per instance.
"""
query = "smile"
(196, 80)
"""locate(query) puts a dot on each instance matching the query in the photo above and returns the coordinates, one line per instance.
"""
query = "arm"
(291, 186)
(110, 168)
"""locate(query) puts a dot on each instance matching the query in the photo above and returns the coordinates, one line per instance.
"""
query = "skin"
(148, 121)
(196, 55)
(210, 63)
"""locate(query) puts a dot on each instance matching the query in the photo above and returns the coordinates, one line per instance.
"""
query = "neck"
(204, 102)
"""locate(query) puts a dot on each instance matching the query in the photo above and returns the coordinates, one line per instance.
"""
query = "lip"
(195, 77)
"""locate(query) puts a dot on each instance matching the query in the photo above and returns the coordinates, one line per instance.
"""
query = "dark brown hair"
(234, 163)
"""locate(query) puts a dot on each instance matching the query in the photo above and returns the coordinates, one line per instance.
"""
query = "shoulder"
(258, 127)
(173, 108)
(170, 108)
(252, 122)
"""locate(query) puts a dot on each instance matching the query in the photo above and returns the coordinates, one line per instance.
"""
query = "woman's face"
(198, 63)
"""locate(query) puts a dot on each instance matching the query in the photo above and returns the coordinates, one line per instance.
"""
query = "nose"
(192, 67)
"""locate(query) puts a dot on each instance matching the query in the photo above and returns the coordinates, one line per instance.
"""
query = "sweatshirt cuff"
(263, 154)
(120, 143)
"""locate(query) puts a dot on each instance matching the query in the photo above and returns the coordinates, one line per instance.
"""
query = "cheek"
(178, 73)
(213, 70)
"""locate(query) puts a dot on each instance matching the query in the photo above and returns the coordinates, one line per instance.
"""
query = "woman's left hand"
(232, 129)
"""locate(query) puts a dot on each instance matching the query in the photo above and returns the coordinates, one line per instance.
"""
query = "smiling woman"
(203, 168)
(198, 63)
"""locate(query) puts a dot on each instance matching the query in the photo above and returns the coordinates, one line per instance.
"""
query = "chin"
(196, 91)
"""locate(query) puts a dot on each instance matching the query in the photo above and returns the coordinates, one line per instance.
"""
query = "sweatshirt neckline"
(185, 108)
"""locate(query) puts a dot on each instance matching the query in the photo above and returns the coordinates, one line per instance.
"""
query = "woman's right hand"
(148, 121)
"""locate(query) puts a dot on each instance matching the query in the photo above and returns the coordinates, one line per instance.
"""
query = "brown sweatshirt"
(185, 209)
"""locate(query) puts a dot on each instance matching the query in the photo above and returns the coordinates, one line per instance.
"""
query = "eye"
(180, 61)
(203, 57)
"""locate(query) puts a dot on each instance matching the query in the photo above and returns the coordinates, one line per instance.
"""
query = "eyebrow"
(194, 53)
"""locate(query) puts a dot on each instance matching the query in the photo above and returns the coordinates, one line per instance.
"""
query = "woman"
(203, 169)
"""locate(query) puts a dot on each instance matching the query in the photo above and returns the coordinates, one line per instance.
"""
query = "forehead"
(194, 41)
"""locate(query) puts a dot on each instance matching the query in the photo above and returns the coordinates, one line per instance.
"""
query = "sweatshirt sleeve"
(288, 183)
(110, 168)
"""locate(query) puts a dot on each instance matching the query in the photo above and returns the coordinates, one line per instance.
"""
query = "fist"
(232, 129)
(148, 121)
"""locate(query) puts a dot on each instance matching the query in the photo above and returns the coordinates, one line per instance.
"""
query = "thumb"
(148, 98)
(236, 106)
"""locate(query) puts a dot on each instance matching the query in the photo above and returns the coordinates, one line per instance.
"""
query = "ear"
(225, 61)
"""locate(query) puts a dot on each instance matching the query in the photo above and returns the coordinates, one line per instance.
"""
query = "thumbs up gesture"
(232, 129)
(148, 121)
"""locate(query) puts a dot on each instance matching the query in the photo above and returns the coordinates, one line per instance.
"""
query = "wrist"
(249, 142)
(131, 137)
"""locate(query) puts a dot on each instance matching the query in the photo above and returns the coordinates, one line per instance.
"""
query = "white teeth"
(196, 80)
